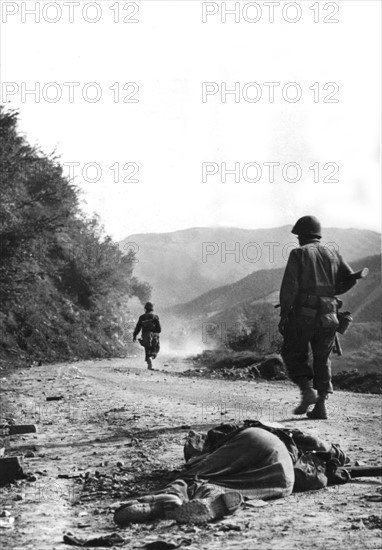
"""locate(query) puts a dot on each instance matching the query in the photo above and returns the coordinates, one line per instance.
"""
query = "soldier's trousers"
(150, 341)
(319, 332)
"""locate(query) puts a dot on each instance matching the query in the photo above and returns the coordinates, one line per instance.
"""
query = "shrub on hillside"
(255, 334)
(63, 282)
(361, 334)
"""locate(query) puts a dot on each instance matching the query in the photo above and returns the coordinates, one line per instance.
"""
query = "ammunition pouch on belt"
(328, 312)
(324, 308)
(327, 305)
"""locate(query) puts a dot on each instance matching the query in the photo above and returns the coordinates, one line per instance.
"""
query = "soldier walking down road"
(313, 276)
(149, 324)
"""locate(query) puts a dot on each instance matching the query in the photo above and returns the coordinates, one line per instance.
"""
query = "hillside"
(174, 264)
(64, 286)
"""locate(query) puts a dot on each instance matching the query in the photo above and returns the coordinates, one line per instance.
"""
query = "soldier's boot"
(207, 509)
(308, 395)
(149, 364)
(146, 509)
(319, 412)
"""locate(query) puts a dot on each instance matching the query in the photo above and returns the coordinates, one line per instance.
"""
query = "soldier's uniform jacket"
(148, 322)
(313, 270)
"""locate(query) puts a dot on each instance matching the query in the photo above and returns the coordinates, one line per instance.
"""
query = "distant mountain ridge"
(259, 292)
(182, 265)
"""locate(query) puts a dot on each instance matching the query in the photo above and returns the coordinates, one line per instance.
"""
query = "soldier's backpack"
(150, 325)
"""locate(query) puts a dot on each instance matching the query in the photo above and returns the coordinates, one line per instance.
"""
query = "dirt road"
(119, 429)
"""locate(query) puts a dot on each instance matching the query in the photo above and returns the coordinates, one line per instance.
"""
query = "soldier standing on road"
(149, 324)
(313, 276)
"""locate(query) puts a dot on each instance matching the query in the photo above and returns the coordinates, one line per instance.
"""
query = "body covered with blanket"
(232, 462)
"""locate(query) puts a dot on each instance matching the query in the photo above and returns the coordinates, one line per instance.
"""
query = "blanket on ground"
(256, 459)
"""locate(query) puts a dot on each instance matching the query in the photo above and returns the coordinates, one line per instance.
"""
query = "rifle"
(361, 274)
(338, 474)
(349, 281)
(345, 317)
(342, 474)
(364, 471)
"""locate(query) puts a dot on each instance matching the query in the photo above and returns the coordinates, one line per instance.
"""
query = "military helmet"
(149, 306)
(307, 225)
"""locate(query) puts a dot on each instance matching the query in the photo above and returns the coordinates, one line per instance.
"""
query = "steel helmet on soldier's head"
(149, 306)
(307, 225)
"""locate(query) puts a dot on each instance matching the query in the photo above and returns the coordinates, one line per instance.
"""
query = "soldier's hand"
(282, 325)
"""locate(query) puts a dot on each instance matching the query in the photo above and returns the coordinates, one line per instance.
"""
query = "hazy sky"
(166, 132)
